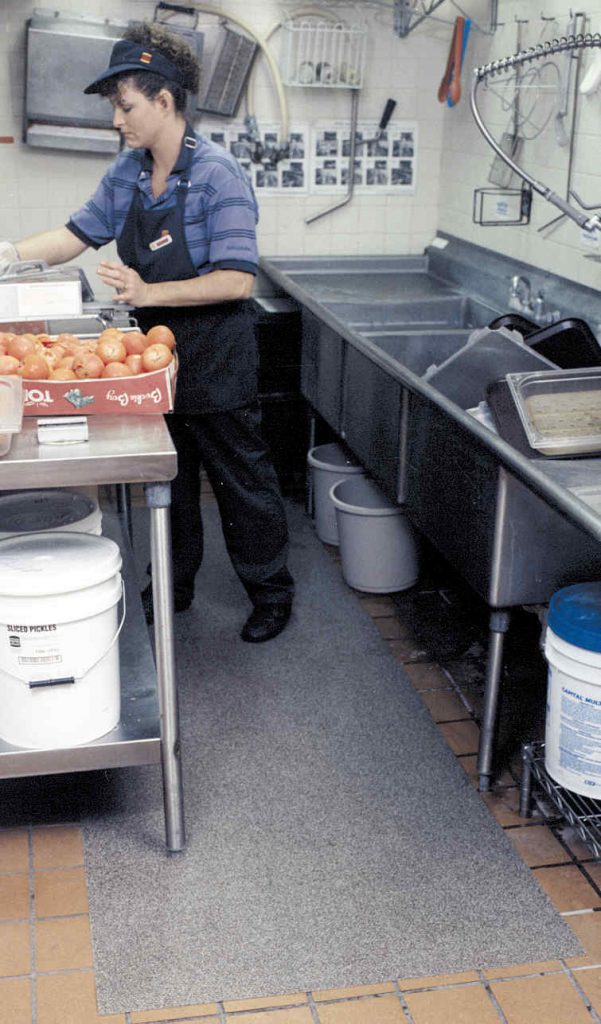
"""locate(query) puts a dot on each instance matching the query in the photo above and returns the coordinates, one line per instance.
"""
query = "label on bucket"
(573, 734)
(27, 647)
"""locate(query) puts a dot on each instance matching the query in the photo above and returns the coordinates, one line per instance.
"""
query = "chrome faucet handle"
(538, 306)
(520, 296)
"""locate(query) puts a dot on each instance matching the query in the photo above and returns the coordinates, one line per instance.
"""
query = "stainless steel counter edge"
(120, 449)
(532, 473)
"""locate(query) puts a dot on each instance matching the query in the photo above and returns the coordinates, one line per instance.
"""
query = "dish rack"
(581, 812)
(323, 54)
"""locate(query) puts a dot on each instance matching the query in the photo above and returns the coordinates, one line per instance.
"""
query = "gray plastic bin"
(329, 463)
(378, 548)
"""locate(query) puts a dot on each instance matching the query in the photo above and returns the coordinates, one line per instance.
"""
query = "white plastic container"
(378, 550)
(329, 463)
(50, 509)
(573, 720)
(59, 628)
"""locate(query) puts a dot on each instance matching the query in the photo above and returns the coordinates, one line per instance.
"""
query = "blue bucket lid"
(575, 615)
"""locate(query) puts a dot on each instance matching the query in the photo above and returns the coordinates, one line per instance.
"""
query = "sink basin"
(436, 311)
(419, 351)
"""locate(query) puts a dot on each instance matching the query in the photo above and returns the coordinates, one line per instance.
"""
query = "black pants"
(253, 519)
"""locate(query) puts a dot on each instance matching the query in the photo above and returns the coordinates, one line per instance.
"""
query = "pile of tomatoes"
(114, 353)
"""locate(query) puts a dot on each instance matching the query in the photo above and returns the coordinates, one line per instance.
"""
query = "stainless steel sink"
(374, 286)
(419, 351)
(435, 311)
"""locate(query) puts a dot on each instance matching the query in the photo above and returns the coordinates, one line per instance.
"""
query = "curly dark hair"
(159, 39)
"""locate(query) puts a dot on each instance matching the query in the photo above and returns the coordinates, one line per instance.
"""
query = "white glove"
(8, 255)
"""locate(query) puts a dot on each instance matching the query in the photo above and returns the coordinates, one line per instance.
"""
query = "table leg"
(158, 498)
(309, 506)
(124, 507)
(498, 626)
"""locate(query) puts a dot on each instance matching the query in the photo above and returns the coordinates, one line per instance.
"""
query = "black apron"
(216, 344)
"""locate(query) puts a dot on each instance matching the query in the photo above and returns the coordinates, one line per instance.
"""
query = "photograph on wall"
(402, 173)
(326, 143)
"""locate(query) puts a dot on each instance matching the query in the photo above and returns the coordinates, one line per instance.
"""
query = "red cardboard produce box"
(149, 393)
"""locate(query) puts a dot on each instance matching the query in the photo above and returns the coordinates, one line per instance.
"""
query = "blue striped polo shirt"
(220, 212)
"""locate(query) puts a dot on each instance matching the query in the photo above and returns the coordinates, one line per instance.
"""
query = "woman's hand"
(128, 284)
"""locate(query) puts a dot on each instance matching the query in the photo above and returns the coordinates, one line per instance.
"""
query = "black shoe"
(265, 622)
(181, 602)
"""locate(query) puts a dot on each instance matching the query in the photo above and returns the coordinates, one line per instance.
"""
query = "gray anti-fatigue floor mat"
(332, 837)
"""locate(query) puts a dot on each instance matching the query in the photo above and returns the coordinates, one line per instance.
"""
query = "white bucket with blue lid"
(59, 629)
(573, 719)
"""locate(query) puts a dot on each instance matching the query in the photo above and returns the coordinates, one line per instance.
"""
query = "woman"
(184, 214)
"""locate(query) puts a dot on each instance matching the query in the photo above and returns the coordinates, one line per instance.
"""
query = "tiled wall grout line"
(221, 1012)
(32, 927)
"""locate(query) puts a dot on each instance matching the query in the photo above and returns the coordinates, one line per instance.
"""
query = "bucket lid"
(575, 615)
(32, 511)
(38, 564)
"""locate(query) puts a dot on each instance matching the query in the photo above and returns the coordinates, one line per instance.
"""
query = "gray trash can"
(329, 463)
(378, 549)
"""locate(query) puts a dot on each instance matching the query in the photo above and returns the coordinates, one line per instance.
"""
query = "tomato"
(111, 334)
(34, 367)
(134, 362)
(67, 362)
(87, 365)
(134, 342)
(156, 356)
(53, 355)
(62, 373)
(8, 365)
(21, 345)
(111, 350)
(69, 341)
(161, 333)
(116, 370)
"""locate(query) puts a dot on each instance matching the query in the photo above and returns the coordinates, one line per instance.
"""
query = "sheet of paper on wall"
(385, 164)
(268, 175)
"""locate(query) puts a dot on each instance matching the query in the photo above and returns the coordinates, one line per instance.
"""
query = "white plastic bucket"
(50, 509)
(59, 650)
(329, 463)
(573, 717)
(378, 550)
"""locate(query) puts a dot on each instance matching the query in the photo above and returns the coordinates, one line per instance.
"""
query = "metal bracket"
(405, 11)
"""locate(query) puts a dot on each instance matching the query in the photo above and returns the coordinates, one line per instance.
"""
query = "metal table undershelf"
(581, 812)
(120, 450)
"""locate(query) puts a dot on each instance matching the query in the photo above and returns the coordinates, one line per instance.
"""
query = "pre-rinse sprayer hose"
(582, 41)
(275, 73)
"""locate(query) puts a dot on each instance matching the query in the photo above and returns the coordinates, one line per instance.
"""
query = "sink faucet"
(520, 296)
(541, 314)
(520, 299)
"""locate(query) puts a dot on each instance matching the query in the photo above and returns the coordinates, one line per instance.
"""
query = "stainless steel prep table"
(120, 450)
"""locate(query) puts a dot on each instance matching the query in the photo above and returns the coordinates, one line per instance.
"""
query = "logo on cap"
(145, 58)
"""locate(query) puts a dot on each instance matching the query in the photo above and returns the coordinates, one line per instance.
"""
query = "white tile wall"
(40, 187)
(466, 158)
